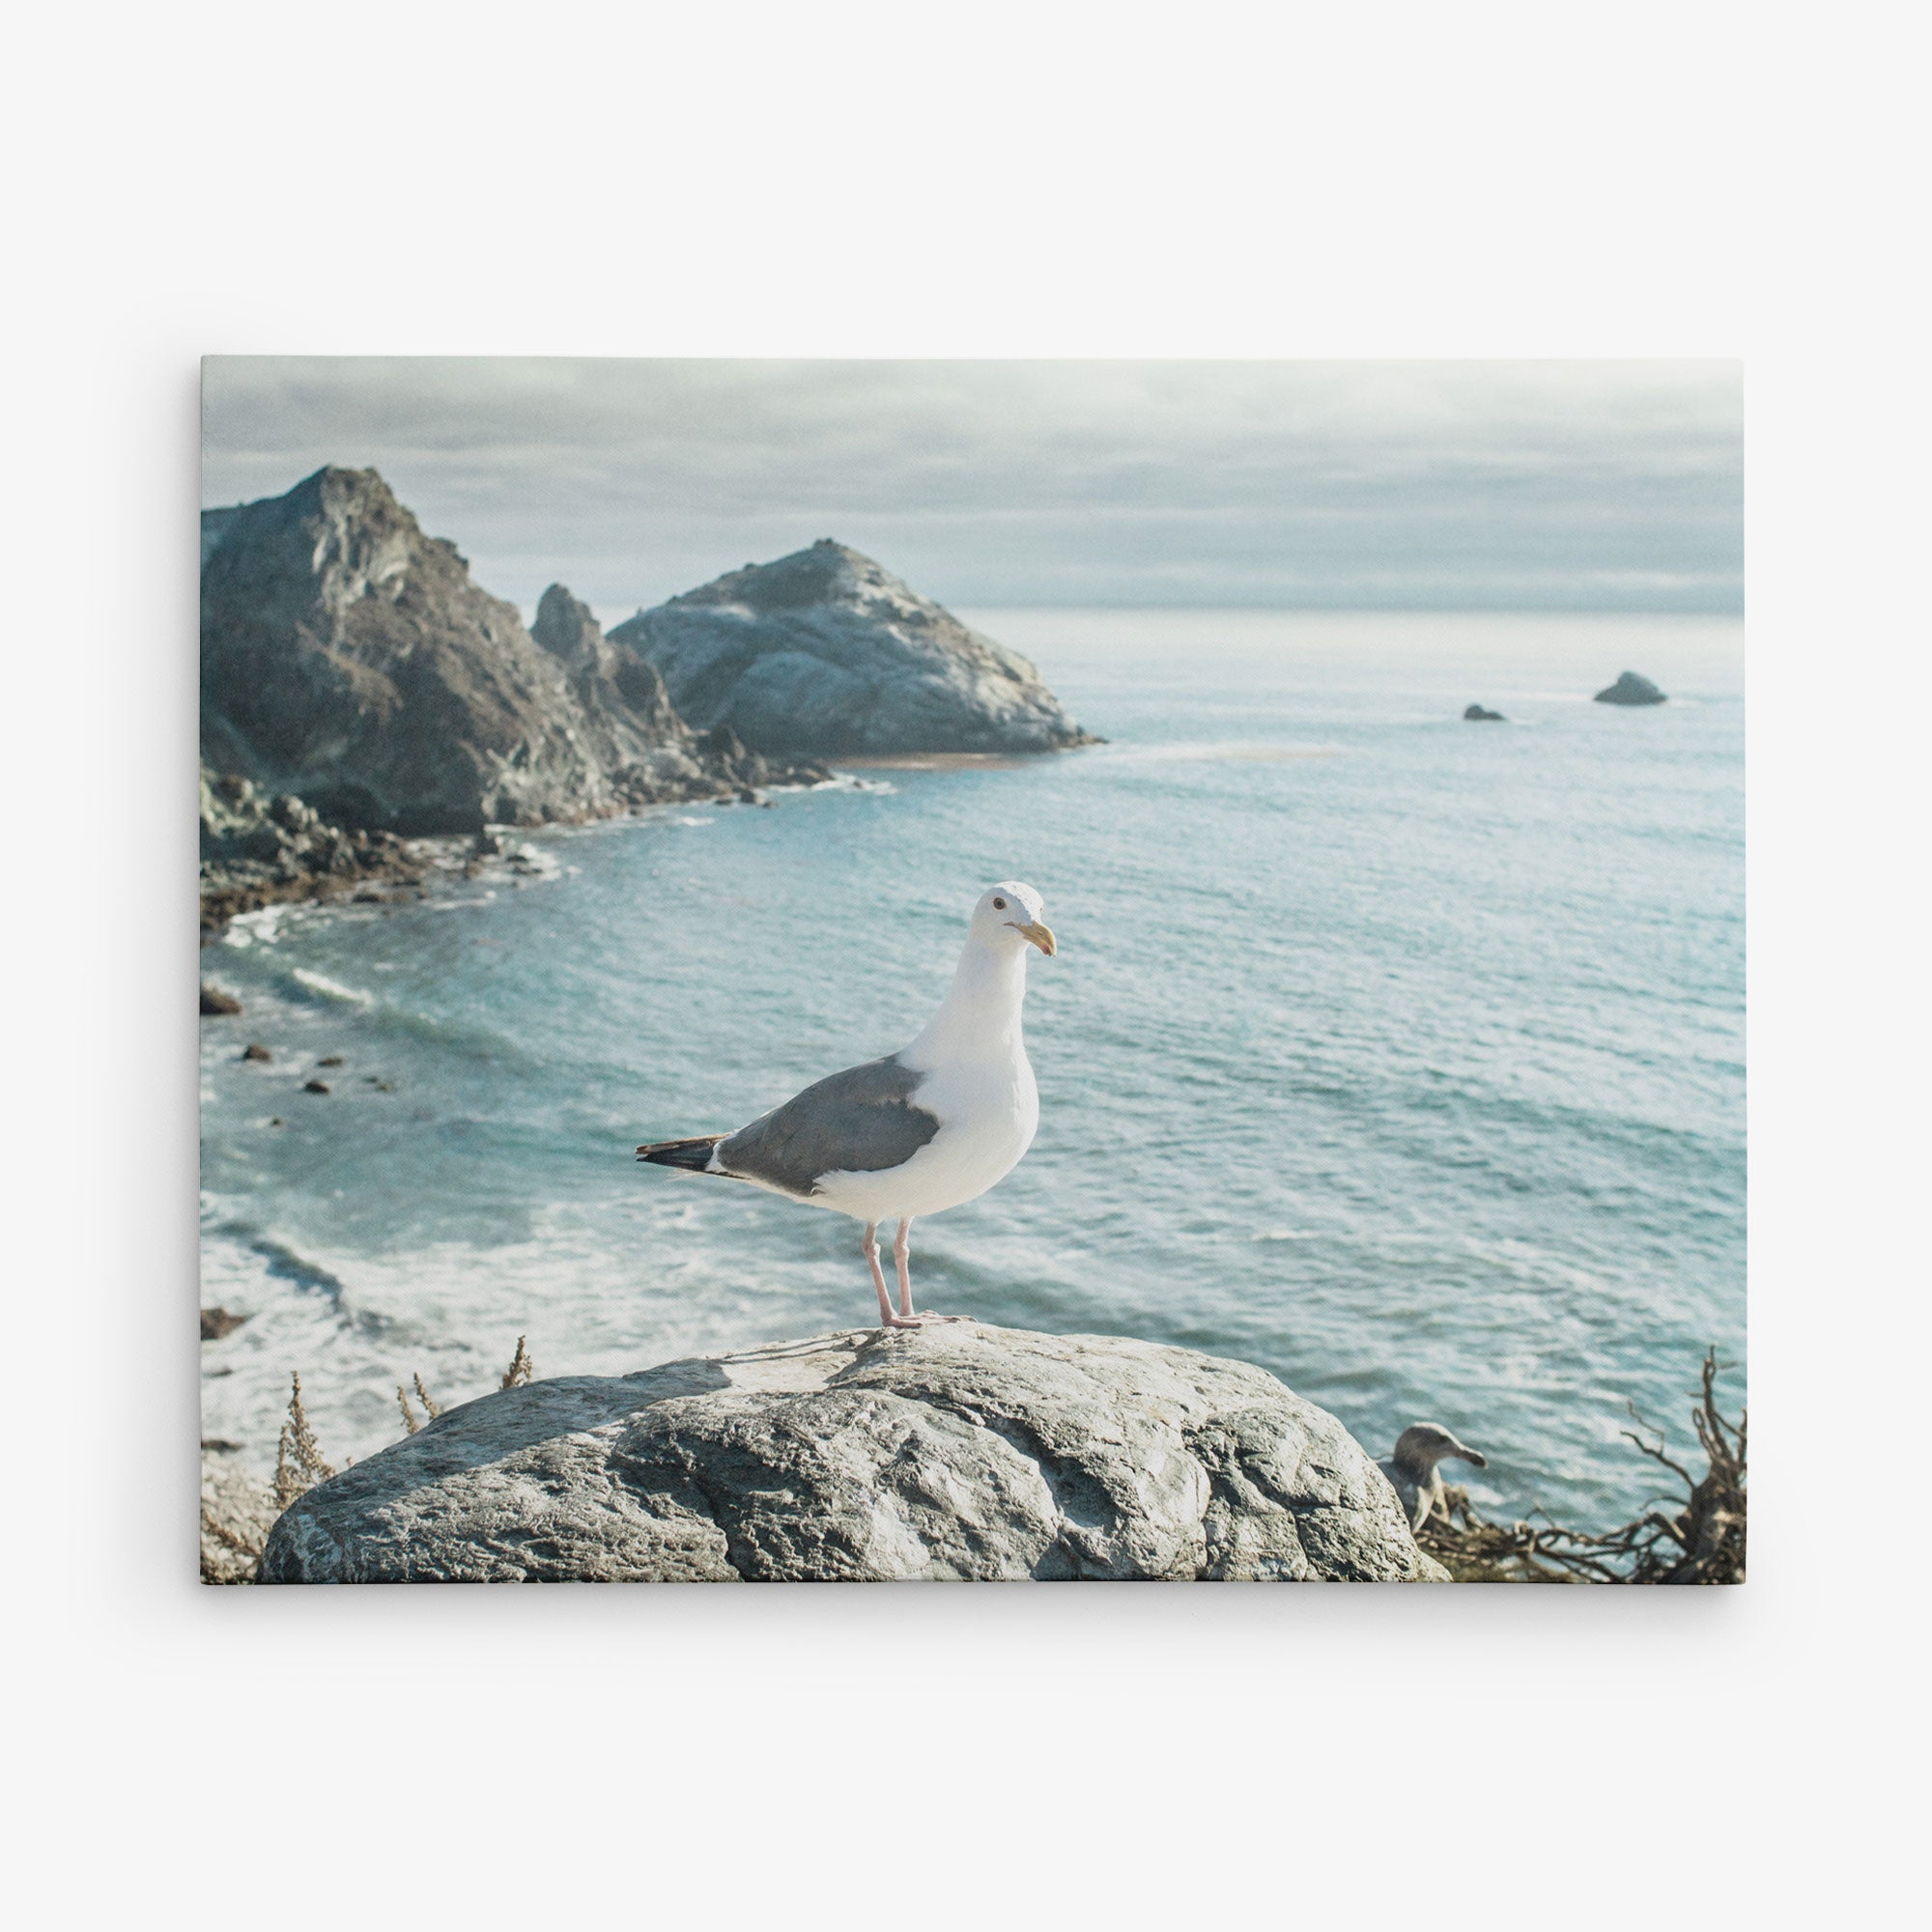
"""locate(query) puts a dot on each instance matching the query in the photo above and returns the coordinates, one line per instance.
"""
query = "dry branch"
(298, 1462)
(1703, 1542)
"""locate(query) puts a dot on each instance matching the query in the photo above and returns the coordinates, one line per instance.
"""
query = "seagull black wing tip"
(693, 1154)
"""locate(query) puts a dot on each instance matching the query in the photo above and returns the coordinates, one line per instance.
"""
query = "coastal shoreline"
(399, 871)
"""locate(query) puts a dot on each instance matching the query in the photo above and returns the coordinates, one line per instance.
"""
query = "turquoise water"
(1402, 1056)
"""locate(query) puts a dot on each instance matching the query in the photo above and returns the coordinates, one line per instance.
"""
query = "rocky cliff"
(954, 1452)
(348, 659)
(824, 653)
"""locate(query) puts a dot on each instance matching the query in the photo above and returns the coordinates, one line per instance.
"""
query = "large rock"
(347, 659)
(963, 1451)
(824, 654)
(1630, 689)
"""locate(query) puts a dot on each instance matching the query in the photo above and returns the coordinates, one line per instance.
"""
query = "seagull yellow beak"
(1038, 933)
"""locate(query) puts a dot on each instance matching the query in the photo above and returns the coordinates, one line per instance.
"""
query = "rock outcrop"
(1630, 689)
(826, 654)
(954, 1452)
(348, 659)
(358, 690)
(258, 848)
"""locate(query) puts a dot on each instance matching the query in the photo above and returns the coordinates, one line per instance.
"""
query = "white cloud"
(1457, 484)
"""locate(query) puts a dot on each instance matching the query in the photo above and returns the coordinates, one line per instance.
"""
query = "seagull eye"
(999, 905)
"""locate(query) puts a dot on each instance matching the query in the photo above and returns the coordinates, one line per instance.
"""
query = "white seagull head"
(1424, 1444)
(1006, 918)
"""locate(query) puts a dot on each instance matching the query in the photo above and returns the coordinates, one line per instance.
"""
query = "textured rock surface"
(957, 1452)
(257, 848)
(347, 659)
(1630, 689)
(359, 690)
(824, 653)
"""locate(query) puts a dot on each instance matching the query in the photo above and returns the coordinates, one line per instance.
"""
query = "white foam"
(262, 927)
(332, 989)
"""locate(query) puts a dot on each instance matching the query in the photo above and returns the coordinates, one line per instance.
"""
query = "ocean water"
(1402, 1056)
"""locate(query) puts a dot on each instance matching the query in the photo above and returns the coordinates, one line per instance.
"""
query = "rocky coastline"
(364, 703)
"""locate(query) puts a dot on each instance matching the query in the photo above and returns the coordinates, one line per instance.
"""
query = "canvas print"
(971, 971)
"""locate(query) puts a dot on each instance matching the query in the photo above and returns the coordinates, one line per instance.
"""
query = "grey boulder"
(825, 653)
(954, 1452)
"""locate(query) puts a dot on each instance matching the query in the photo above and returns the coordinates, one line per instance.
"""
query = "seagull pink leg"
(901, 1260)
(870, 1246)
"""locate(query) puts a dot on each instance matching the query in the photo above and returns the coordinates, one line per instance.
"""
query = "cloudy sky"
(1605, 486)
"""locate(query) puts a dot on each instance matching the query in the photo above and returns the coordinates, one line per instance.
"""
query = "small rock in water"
(215, 1322)
(1630, 689)
(218, 1000)
(330, 1059)
(1476, 714)
(255, 1051)
(315, 1086)
(276, 1122)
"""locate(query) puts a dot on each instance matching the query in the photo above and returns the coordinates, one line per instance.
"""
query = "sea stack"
(1630, 689)
(825, 653)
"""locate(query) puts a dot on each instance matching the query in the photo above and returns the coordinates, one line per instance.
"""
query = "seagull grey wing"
(859, 1120)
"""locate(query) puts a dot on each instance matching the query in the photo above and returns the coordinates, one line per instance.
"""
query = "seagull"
(1412, 1469)
(920, 1131)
